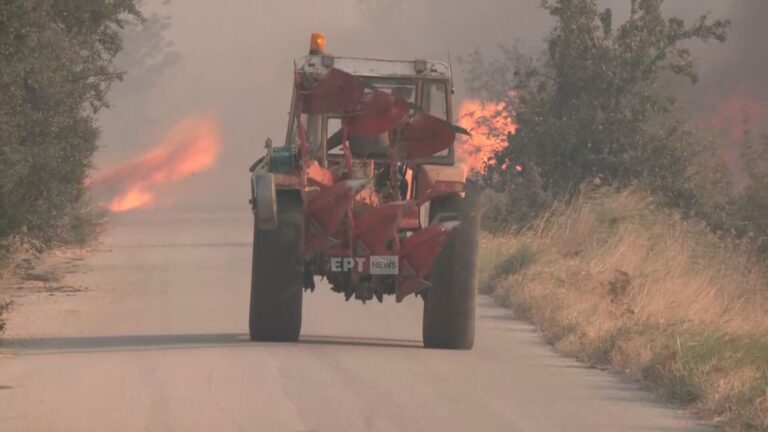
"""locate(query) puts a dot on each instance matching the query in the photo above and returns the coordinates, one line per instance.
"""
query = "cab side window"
(434, 99)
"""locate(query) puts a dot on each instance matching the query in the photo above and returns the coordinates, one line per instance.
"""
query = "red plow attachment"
(338, 224)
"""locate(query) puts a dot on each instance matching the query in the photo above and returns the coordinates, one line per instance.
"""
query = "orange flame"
(189, 147)
(489, 122)
(727, 121)
(731, 114)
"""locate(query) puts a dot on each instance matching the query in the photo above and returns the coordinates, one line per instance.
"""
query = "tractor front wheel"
(276, 277)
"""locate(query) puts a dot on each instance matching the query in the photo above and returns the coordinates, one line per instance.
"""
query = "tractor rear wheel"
(276, 276)
(449, 304)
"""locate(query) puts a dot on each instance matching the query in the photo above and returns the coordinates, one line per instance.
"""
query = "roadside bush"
(516, 204)
(56, 67)
(617, 280)
(4, 307)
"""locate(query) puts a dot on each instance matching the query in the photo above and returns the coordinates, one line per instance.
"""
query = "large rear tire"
(276, 276)
(449, 304)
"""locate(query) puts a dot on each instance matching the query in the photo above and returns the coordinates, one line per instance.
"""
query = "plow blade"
(379, 113)
(418, 254)
(335, 92)
(425, 135)
(370, 112)
(376, 227)
(325, 211)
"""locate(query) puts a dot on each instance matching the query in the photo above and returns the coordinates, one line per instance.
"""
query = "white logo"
(346, 264)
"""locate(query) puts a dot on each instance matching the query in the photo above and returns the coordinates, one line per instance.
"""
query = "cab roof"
(318, 64)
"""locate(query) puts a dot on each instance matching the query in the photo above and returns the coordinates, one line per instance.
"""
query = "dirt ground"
(46, 274)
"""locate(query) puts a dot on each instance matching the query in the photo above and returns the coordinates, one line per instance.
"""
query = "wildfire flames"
(189, 147)
(727, 121)
(731, 114)
(489, 123)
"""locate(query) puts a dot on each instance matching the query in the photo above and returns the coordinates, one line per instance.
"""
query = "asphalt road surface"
(157, 342)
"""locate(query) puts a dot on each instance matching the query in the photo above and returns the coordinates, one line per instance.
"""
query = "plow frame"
(339, 223)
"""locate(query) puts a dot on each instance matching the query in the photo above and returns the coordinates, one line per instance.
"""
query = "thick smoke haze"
(236, 59)
(233, 59)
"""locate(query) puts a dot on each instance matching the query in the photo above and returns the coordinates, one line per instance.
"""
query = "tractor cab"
(390, 88)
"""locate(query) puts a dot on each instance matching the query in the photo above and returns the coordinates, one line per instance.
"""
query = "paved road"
(157, 343)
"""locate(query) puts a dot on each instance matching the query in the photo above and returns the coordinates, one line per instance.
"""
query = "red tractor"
(366, 193)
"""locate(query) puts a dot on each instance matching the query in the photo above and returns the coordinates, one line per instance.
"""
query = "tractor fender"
(440, 188)
(264, 200)
(266, 189)
(434, 180)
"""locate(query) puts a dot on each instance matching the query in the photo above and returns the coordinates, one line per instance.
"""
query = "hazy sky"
(236, 62)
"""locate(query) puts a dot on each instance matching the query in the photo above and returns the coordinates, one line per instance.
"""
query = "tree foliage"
(597, 106)
(56, 67)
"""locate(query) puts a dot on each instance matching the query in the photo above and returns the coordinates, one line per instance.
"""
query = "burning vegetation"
(490, 124)
(191, 146)
(736, 112)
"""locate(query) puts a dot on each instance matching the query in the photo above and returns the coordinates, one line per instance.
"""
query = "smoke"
(733, 87)
(741, 64)
(235, 59)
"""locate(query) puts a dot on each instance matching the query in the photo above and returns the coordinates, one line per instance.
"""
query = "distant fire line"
(190, 146)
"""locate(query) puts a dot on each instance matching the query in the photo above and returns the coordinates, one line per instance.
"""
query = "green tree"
(598, 105)
(56, 67)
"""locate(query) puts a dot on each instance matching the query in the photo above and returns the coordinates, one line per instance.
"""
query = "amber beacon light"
(317, 44)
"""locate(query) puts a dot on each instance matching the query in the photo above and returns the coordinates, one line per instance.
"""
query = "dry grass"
(619, 283)
(26, 267)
